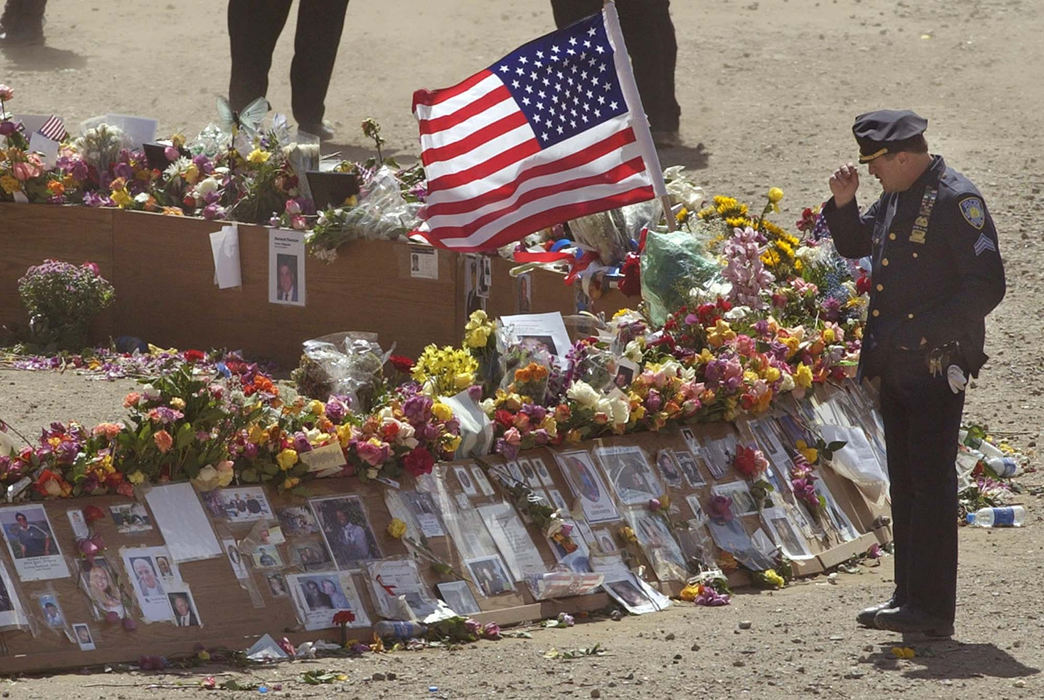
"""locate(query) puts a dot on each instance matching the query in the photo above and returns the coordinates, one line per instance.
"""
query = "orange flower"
(163, 441)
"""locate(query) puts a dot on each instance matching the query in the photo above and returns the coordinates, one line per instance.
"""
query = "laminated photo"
(542, 473)
(11, 614)
(529, 474)
(690, 468)
(140, 563)
(318, 597)
(266, 557)
(479, 477)
(490, 575)
(235, 559)
(513, 540)
(346, 530)
(635, 595)
(277, 585)
(659, 545)
(82, 635)
(237, 505)
(458, 596)
(297, 521)
(464, 479)
(719, 454)
(184, 608)
(743, 502)
(670, 470)
(573, 554)
(310, 554)
(101, 585)
(424, 511)
(31, 543)
(400, 594)
(51, 611)
(784, 534)
(587, 485)
(629, 474)
(131, 517)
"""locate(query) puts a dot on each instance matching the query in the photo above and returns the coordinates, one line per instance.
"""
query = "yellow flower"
(290, 482)
(627, 535)
(316, 407)
(771, 373)
(10, 185)
(772, 577)
(136, 477)
(122, 198)
(775, 194)
(286, 459)
(258, 156)
(396, 528)
(191, 174)
(810, 454)
(441, 411)
(803, 375)
(903, 652)
(452, 442)
(690, 592)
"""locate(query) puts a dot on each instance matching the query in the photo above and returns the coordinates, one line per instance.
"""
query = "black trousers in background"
(922, 419)
(253, 29)
(21, 16)
(651, 43)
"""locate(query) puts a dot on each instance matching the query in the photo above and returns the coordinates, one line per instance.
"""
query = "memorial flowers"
(61, 300)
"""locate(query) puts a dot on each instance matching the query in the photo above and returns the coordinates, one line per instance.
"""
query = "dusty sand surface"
(769, 89)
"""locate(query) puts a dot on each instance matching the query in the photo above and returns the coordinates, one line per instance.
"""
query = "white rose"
(583, 393)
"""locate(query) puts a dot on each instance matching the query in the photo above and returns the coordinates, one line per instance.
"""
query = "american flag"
(53, 128)
(552, 131)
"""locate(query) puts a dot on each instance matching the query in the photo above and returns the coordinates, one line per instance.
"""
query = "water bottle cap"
(970, 518)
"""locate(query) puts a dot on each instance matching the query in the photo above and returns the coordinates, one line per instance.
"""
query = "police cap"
(886, 131)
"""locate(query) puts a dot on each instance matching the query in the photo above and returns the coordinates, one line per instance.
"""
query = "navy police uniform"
(935, 274)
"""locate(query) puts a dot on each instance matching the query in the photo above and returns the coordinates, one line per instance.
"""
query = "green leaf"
(185, 436)
(836, 445)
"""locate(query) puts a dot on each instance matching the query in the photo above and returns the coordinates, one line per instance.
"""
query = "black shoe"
(666, 139)
(910, 620)
(322, 130)
(30, 37)
(866, 617)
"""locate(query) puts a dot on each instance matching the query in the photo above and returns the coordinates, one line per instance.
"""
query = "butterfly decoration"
(248, 120)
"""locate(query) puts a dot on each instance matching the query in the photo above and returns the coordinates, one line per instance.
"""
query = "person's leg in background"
(22, 22)
(649, 33)
(319, 27)
(653, 48)
(253, 30)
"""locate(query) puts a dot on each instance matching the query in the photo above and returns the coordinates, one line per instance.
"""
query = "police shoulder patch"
(973, 211)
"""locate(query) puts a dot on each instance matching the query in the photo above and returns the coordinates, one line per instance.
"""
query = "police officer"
(935, 273)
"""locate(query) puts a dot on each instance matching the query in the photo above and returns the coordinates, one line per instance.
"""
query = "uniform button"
(880, 287)
(876, 313)
(909, 315)
(891, 236)
(884, 261)
(915, 255)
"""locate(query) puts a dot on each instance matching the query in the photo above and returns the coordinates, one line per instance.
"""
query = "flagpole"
(642, 134)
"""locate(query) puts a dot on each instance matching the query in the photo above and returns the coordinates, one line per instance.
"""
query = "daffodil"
(258, 156)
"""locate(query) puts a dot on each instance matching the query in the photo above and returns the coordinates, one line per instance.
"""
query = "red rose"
(401, 363)
(631, 284)
(418, 462)
(194, 356)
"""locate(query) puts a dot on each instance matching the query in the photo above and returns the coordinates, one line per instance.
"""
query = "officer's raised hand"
(844, 183)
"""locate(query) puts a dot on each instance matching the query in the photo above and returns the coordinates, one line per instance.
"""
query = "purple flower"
(473, 626)
(536, 413)
(505, 448)
(301, 443)
(653, 401)
(831, 309)
(491, 630)
(337, 408)
(417, 409)
(710, 597)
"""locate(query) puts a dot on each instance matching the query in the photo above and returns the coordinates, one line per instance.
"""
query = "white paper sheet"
(224, 245)
(183, 522)
(513, 540)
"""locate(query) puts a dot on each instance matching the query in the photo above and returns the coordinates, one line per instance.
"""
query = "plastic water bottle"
(1007, 516)
(399, 629)
(1004, 467)
(987, 449)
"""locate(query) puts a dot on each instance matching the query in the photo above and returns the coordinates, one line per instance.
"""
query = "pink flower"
(491, 630)
(25, 171)
(512, 436)
(6, 93)
(373, 452)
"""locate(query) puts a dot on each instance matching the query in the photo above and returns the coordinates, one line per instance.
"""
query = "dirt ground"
(768, 92)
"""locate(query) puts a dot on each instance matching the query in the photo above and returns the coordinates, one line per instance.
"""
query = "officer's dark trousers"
(253, 29)
(922, 418)
(649, 34)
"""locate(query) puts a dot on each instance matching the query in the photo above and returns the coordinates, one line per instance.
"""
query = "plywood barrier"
(585, 480)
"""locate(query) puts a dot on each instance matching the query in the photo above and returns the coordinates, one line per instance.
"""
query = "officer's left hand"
(955, 376)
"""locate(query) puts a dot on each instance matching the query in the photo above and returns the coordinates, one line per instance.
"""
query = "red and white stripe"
(489, 181)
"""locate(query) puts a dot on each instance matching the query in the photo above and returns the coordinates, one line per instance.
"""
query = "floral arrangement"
(61, 300)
